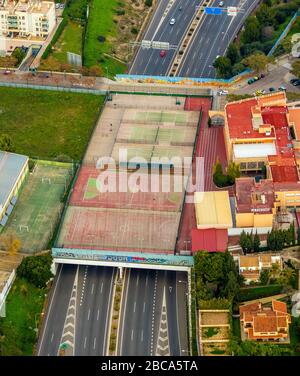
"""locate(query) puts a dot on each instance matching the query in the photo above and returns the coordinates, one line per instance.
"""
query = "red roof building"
(211, 240)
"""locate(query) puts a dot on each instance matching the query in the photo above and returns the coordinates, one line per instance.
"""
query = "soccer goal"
(46, 180)
(23, 228)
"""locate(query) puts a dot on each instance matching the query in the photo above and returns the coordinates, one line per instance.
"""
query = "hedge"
(58, 33)
(215, 303)
(251, 293)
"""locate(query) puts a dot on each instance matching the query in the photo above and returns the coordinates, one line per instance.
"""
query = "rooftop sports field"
(39, 207)
(119, 229)
(86, 193)
(45, 124)
(143, 221)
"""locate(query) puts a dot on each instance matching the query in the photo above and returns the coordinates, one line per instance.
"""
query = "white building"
(25, 20)
(251, 266)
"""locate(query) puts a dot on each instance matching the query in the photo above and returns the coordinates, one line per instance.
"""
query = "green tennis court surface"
(91, 190)
(39, 206)
(161, 116)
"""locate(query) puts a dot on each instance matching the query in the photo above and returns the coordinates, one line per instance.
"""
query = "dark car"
(271, 89)
(293, 80)
(296, 83)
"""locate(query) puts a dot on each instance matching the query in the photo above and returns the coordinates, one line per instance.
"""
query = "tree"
(6, 143)
(217, 167)
(12, 245)
(233, 53)
(298, 235)
(223, 67)
(36, 269)
(233, 172)
(95, 70)
(252, 30)
(246, 242)
(257, 62)
(265, 15)
(256, 242)
(296, 68)
(232, 287)
(264, 277)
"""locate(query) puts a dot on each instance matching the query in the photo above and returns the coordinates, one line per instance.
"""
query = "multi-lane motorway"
(153, 314)
(83, 324)
(211, 39)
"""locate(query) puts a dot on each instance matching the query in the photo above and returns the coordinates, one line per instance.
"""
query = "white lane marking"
(142, 336)
(101, 288)
(94, 343)
(137, 280)
(89, 312)
(132, 335)
(52, 298)
(84, 345)
(134, 306)
(98, 315)
(92, 291)
(147, 279)
(52, 337)
(144, 307)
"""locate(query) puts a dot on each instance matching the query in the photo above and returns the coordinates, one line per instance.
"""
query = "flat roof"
(254, 150)
(254, 197)
(213, 210)
(283, 168)
(11, 166)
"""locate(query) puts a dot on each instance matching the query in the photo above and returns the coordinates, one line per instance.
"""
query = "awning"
(4, 220)
(9, 209)
(14, 200)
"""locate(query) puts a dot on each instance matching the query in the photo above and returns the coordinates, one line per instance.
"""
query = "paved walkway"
(268, 299)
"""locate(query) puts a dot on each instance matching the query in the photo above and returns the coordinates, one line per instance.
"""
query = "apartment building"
(25, 20)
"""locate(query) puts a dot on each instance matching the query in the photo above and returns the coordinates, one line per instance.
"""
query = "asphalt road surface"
(153, 314)
(93, 304)
(148, 61)
(212, 39)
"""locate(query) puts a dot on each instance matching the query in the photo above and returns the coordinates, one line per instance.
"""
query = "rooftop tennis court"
(119, 229)
(39, 207)
(86, 193)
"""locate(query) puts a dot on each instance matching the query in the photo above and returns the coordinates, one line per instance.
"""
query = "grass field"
(46, 124)
(251, 293)
(23, 306)
(38, 209)
(100, 23)
(69, 41)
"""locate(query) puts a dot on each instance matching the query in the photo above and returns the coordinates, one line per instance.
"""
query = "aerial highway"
(211, 39)
(153, 313)
(149, 61)
(83, 321)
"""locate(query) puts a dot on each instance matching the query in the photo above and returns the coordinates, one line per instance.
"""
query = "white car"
(57, 5)
(221, 3)
(172, 21)
(223, 92)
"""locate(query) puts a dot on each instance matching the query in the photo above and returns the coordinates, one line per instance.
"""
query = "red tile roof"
(279, 306)
(212, 240)
(283, 168)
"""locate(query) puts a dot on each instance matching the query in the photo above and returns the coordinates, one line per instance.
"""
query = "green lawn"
(70, 40)
(251, 293)
(46, 124)
(236, 328)
(100, 23)
(22, 313)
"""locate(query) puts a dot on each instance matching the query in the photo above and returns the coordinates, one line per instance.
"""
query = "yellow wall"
(244, 219)
(254, 220)
(287, 198)
(263, 220)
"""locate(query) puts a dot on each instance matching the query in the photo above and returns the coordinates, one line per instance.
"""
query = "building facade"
(23, 19)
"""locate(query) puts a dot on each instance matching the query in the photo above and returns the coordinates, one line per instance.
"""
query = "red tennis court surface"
(86, 193)
(119, 230)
